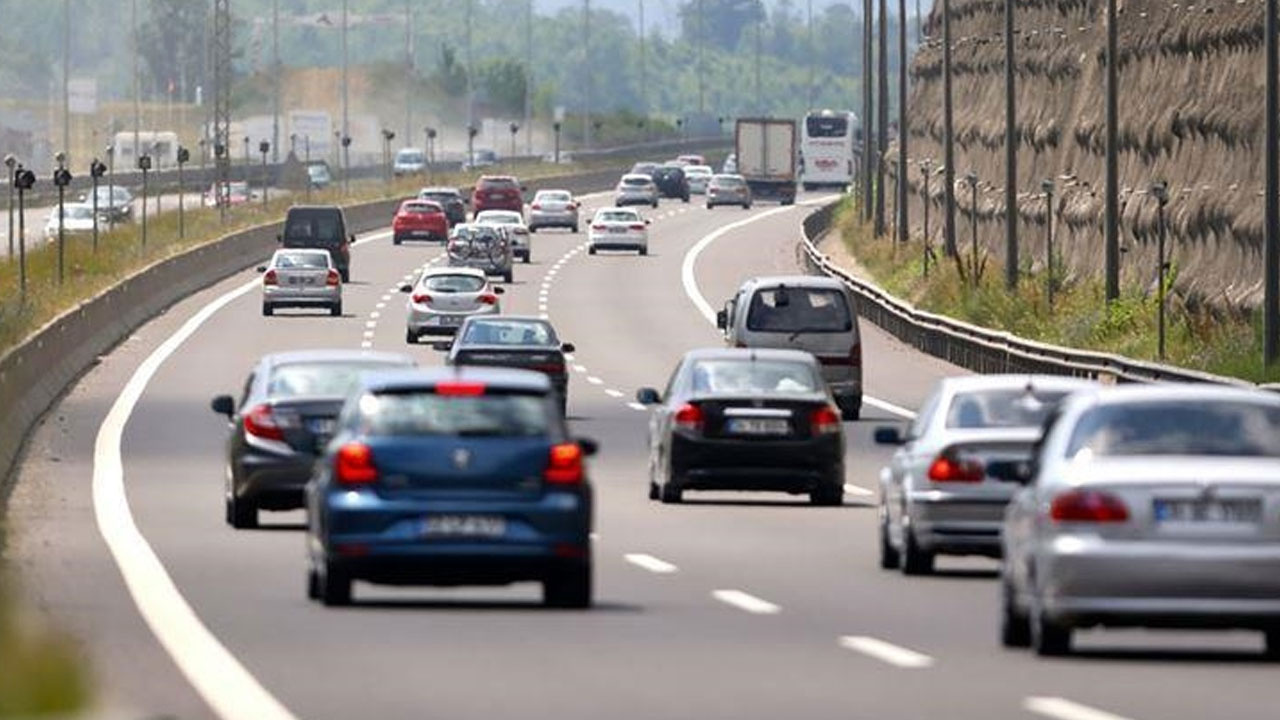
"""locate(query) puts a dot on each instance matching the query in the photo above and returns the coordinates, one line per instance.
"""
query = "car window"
(318, 379)
(786, 309)
(316, 260)
(726, 181)
(1178, 427)
(496, 332)
(76, 212)
(497, 184)
(718, 377)
(319, 227)
(1003, 408)
(409, 157)
(618, 216)
(553, 197)
(421, 208)
(922, 418)
(428, 414)
(636, 181)
(453, 283)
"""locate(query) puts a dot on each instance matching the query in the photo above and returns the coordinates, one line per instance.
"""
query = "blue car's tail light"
(565, 465)
(354, 465)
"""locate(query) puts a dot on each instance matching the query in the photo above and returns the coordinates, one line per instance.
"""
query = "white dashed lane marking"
(1063, 709)
(855, 490)
(886, 652)
(747, 602)
(650, 563)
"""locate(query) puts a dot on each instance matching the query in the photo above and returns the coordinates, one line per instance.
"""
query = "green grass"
(1223, 342)
(39, 671)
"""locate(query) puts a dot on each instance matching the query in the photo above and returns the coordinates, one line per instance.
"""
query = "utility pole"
(644, 77)
(882, 119)
(1010, 156)
(809, 88)
(948, 140)
(408, 73)
(346, 116)
(1271, 223)
(1112, 191)
(586, 71)
(275, 80)
(66, 80)
(137, 75)
(221, 103)
(471, 86)
(868, 123)
(528, 78)
(903, 215)
(702, 69)
(759, 85)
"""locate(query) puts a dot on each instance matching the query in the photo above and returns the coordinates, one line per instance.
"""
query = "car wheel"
(670, 493)
(1015, 628)
(568, 588)
(268, 310)
(1048, 638)
(336, 309)
(396, 240)
(313, 584)
(1271, 647)
(889, 559)
(654, 491)
(914, 560)
(526, 258)
(533, 229)
(507, 277)
(829, 496)
(575, 229)
(241, 514)
(850, 407)
(685, 198)
(643, 251)
(346, 274)
(591, 250)
(410, 337)
(335, 586)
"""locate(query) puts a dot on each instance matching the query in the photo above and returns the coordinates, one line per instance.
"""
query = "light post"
(1161, 192)
(472, 131)
(293, 144)
(514, 128)
(387, 137)
(204, 153)
(24, 180)
(184, 156)
(264, 147)
(431, 149)
(555, 127)
(10, 162)
(1010, 155)
(971, 177)
(111, 187)
(1111, 191)
(903, 215)
(96, 171)
(337, 149)
(346, 164)
(248, 161)
(928, 249)
(1271, 185)
(1047, 186)
(144, 164)
(306, 149)
(948, 140)
(62, 178)
(680, 128)
(221, 190)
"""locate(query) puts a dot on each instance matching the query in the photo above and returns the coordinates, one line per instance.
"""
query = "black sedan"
(282, 422)
(745, 419)
(671, 182)
(526, 343)
(453, 202)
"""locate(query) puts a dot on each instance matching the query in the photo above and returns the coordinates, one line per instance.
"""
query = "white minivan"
(802, 312)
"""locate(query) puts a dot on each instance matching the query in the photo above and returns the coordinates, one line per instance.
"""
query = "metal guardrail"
(981, 349)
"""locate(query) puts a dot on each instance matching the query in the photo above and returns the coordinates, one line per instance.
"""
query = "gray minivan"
(322, 227)
(802, 312)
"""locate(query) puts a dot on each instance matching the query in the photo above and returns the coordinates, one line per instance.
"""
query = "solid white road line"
(1063, 709)
(226, 685)
(856, 490)
(886, 652)
(744, 601)
(690, 282)
(650, 563)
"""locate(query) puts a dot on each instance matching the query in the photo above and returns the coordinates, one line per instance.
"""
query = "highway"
(729, 606)
(37, 217)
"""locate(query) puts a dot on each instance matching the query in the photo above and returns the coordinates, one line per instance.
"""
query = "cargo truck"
(766, 149)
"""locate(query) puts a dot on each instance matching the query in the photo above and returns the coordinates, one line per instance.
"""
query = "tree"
(171, 42)
(503, 83)
(450, 75)
(722, 22)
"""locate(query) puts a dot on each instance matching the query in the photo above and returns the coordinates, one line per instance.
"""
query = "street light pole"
(702, 69)
(1010, 156)
(868, 124)
(96, 171)
(882, 119)
(275, 78)
(948, 139)
(644, 78)
(1111, 253)
(346, 117)
(1047, 186)
(25, 180)
(528, 78)
(62, 178)
(586, 70)
(10, 162)
(184, 156)
(809, 30)
(1271, 222)
(66, 76)
(264, 147)
(144, 164)
(1161, 192)
(903, 216)
(928, 249)
(972, 178)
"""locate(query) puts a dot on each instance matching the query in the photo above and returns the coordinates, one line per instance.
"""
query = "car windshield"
(318, 379)
(76, 212)
(407, 157)
(827, 127)
(438, 196)
(1003, 408)
(697, 170)
(105, 195)
(420, 207)
(509, 332)
(420, 414)
(453, 283)
(318, 171)
(1178, 427)
(318, 226)
(618, 216)
(497, 184)
(719, 377)
(311, 260)
(794, 310)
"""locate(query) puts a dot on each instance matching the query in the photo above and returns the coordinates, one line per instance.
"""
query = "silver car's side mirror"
(406, 288)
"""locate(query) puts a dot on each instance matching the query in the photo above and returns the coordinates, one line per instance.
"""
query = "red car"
(497, 192)
(419, 220)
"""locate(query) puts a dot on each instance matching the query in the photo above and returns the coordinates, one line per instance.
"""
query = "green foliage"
(502, 84)
(41, 673)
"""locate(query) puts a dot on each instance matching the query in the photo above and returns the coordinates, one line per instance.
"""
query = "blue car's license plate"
(467, 526)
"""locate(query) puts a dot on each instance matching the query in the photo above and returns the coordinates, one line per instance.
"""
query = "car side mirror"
(568, 347)
(1024, 471)
(262, 268)
(648, 221)
(499, 290)
(224, 405)
(648, 396)
(889, 436)
(406, 288)
(351, 238)
(279, 239)
(442, 346)
(722, 319)
(589, 447)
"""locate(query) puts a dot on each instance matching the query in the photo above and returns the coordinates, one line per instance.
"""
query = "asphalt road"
(730, 606)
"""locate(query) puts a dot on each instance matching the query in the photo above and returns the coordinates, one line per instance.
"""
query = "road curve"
(730, 606)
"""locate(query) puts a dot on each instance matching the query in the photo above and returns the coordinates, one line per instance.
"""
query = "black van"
(320, 227)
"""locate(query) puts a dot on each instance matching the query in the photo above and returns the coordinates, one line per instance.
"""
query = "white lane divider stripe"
(614, 393)
(886, 652)
(747, 602)
(637, 406)
(690, 281)
(856, 490)
(580, 368)
(1063, 709)
(650, 563)
(594, 380)
(226, 685)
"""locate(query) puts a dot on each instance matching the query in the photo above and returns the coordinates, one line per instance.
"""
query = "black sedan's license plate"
(758, 426)
(464, 526)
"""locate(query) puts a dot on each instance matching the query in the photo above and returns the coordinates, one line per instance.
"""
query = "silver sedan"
(443, 298)
(636, 189)
(1149, 506)
(553, 208)
(946, 487)
(301, 278)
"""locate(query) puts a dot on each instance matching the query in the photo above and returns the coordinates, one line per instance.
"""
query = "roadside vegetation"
(1215, 340)
(39, 672)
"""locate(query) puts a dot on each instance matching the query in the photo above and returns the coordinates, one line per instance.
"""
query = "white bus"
(827, 148)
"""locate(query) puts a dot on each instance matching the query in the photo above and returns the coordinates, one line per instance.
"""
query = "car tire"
(335, 586)
(654, 491)
(313, 584)
(396, 240)
(709, 206)
(345, 273)
(591, 250)
(655, 204)
(410, 337)
(828, 496)
(1048, 638)
(1271, 644)
(336, 309)
(241, 514)
(685, 198)
(746, 206)
(533, 229)
(568, 588)
(268, 310)
(850, 407)
(914, 561)
(642, 251)
(670, 493)
(1015, 627)
(889, 559)
(507, 277)
(526, 259)
(575, 229)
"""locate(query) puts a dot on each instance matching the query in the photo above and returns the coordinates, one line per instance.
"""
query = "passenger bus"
(828, 141)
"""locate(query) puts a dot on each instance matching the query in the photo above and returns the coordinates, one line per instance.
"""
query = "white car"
(76, 218)
(699, 177)
(618, 229)
(301, 277)
(636, 189)
(410, 161)
(517, 231)
(444, 297)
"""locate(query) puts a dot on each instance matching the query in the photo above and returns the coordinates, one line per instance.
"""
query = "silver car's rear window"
(1178, 427)
(309, 261)
(429, 414)
(789, 309)
(728, 377)
(320, 379)
(636, 181)
(453, 283)
(1001, 408)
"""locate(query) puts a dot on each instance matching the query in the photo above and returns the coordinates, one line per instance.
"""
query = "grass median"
(1198, 336)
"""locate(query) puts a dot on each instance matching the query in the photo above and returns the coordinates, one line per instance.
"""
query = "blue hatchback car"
(452, 476)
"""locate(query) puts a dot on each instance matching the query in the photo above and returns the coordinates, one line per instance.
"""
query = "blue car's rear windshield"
(428, 414)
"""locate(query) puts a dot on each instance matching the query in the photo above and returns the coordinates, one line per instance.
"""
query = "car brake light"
(947, 468)
(489, 299)
(354, 465)
(855, 355)
(549, 368)
(535, 206)
(261, 422)
(564, 466)
(460, 389)
(689, 417)
(597, 227)
(636, 226)
(270, 278)
(825, 421)
(333, 279)
(421, 298)
(1088, 506)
